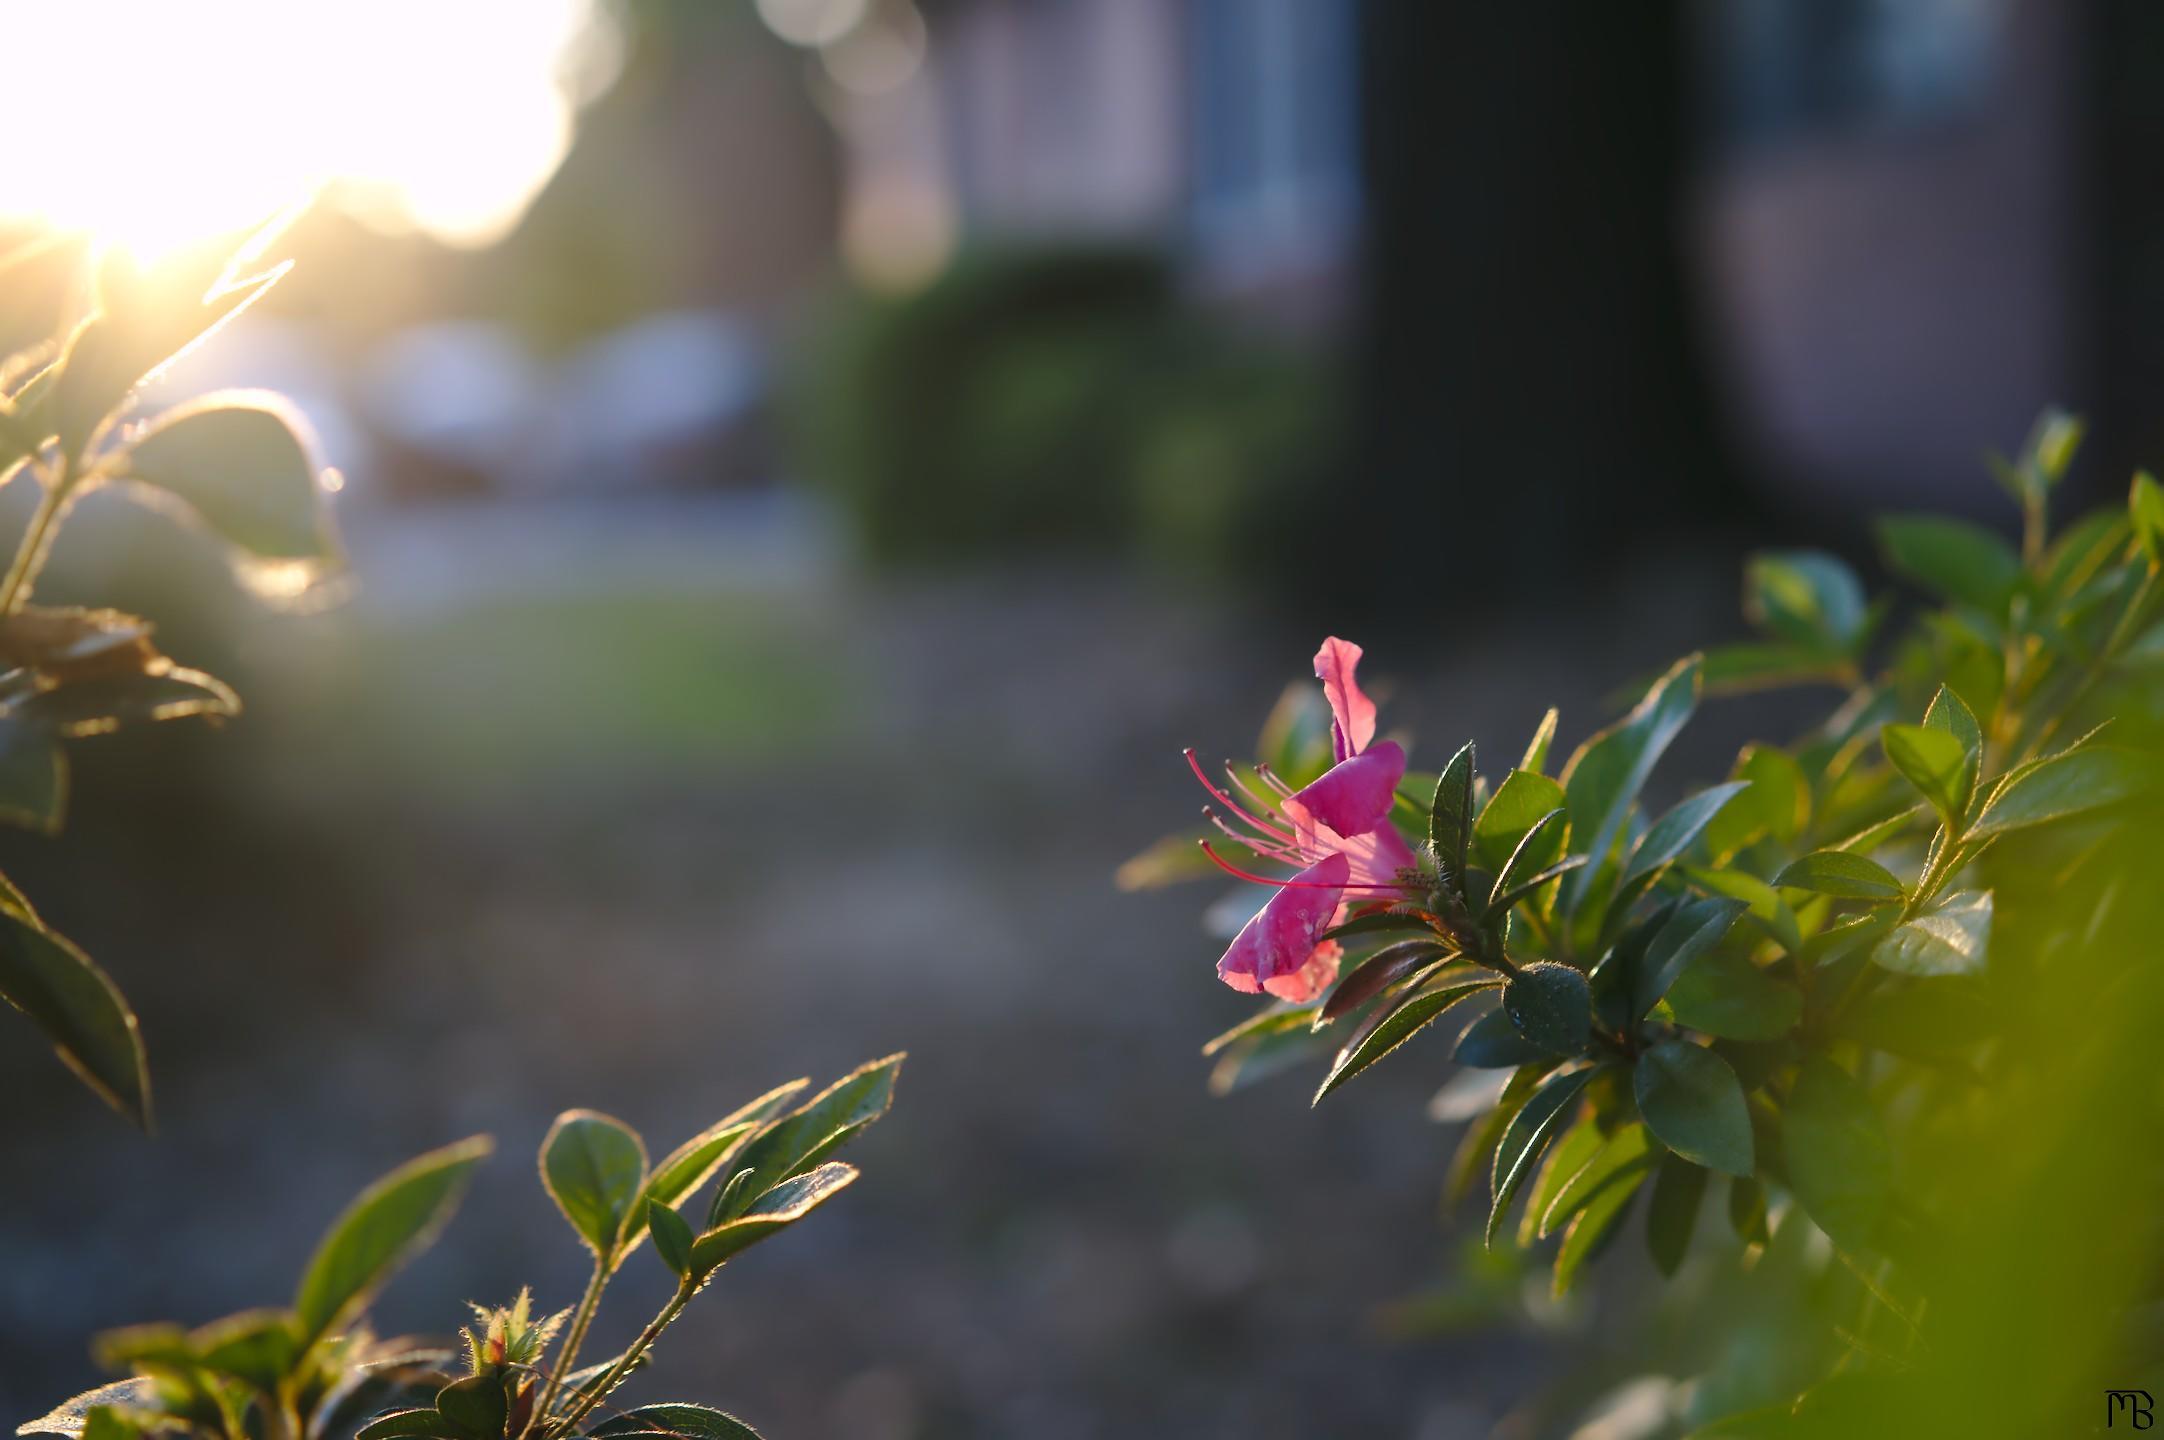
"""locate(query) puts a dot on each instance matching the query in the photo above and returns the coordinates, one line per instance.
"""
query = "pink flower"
(1335, 832)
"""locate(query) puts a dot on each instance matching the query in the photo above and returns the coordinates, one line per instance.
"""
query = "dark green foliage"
(1895, 979)
(1035, 398)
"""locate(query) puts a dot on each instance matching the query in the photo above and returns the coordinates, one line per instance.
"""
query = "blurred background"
(809, 465)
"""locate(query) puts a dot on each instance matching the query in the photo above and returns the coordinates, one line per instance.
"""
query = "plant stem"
(568, 1354)
(37, 541)
(629, 1358)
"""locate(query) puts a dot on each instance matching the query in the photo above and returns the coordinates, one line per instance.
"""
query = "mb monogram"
(2134, 1404)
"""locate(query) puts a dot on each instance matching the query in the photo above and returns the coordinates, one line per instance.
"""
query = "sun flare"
(151, 123)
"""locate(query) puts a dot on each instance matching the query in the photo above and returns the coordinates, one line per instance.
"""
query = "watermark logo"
(2136, 1405)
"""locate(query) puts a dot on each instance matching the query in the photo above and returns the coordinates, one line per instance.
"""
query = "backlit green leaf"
(1952, 939)
(1519, 804)
(81, 1012)
(1691, 931)
(1394, 1027)
(2063, 785)
(1842, 874)
(825, 1123)
(384, 1227)
(243, 464)
(1935, 762)
(692, 1422)
(1527, 1134)
(1678, 1187)
(1726, 995)
(1953, 559)
(1450, 822)
(1603, 778)
(777, 1209)
(593, 1166)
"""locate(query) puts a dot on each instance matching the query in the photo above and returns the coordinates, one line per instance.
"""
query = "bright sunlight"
(446, 116)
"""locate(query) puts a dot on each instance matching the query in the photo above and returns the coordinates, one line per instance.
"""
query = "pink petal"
(1354, 796)
(1277, 945)
(1312, 978)
(1353, 714)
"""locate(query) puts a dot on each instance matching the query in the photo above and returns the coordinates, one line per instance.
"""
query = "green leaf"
(476, 1408)
(1450, 821)
(1603, 778)
(1630, 1151)
(1276, 1018)
(2051, 447)
(1678, 1187)
(1170, 861)
(1953, 939)
(1726, 995)
(390, 1222)
(1571, 1152)
(401, 1424)
(1526, 1136)
(1382, 922)
(1839, 1163)
(1594, 1223)
(1774, 802)
(68, 1417)
(2065, 784)
(2145, 507)
(1518, 806)
(1747, 1210)
(1394, 1027)
(1688, 933)
(1536, 750)
(1950, 714)
(1385, 968)
(1693, 1103)
(1500, 903)
(1672, 834)
(1761, 901)
(1936, 763)
(1493, 1043)
(593, 1165)
(81, 1012)
(1843, 874)
(164, 691)
(1808, 598)
(672, 1236)
(776, 1210)
(688, 1166)
(1536, 849)
(33, 777)
(693, 1422)
(823, 1125)
(1954, 559)
(1551, 1007)
(243, 464)
(258, 1347)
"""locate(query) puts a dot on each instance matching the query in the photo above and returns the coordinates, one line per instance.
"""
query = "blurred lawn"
(519, 695)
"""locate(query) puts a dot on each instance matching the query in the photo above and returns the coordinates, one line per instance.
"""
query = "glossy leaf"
(390, 1222)
(1693, 1103)
(1536, 849)
(777, 1209)
(1526, 1136)
(593, 1166)
(823, 1125)
(1808, 598)
(1688, 933)
(80, 1011)
(1399, 1024)
(1839, 1163)
(1949, 713)
(1603, 779)
(1391, 965)
(1668, 837)
(1570, 1153)
(1842, 874)
(476, 1408)
(1952, 939)
(1550, 1005)
(2063, 785)
(689, 1166)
